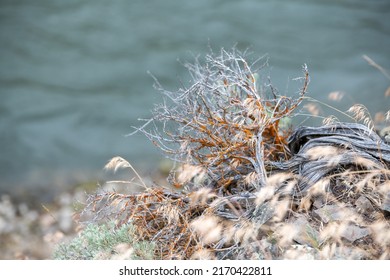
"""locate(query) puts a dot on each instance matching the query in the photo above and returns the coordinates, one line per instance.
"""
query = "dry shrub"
(250, 188)
(226, 122)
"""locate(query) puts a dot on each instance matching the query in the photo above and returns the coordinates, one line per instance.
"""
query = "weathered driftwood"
(317, 152)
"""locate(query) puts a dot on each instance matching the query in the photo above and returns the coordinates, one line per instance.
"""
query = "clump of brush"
(249, 187)
(228, 121)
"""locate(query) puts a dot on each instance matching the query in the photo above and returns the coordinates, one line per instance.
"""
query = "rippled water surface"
(74, 79)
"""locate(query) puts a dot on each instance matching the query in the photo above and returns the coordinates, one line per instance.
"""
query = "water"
(74, 79)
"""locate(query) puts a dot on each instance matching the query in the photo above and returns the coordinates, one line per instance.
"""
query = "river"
(74, 78)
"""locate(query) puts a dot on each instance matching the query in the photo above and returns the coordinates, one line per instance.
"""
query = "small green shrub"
(104, 242)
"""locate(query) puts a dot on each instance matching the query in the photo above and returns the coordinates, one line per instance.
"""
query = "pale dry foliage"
(249, 189)
(336, 95)
(361, 114)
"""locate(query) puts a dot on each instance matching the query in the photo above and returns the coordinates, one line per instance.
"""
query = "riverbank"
(32, 226)
(248, 184)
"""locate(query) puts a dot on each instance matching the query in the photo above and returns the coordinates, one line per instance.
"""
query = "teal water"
(73, 74)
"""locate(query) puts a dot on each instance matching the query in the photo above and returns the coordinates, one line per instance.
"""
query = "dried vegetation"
(246, 186)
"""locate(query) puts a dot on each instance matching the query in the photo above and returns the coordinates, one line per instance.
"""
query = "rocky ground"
(30, 229)
(28, 232)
